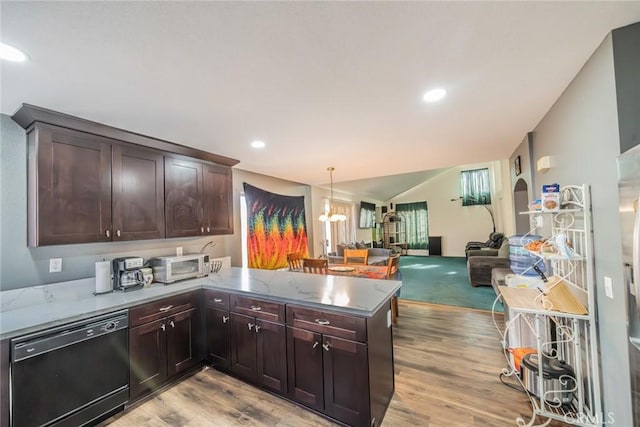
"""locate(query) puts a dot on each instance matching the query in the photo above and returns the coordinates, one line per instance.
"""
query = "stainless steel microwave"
(169, 269)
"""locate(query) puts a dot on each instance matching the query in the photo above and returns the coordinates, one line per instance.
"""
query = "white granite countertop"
(31, 309)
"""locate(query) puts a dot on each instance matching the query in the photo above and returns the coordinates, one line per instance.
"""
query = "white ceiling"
(322, 83)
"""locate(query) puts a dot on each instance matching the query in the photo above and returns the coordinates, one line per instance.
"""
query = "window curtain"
(417, 227)
(476, 187)
(343, 231)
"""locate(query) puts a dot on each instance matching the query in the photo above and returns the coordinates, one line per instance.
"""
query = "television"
(367, 215)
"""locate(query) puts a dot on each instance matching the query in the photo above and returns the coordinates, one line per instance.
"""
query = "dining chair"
(393, 269)
(361, 256)
(294, 260)
(315, 266)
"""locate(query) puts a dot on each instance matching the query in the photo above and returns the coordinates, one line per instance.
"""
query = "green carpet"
(443, 280)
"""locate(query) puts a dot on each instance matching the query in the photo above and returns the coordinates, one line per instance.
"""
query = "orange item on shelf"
(518, 353)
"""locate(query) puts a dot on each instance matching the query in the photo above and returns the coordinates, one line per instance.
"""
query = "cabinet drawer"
(216, 299)
(259, 308)
(338, 325)
(165, 307)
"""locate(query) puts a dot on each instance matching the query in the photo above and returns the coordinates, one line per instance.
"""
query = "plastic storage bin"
(521, 261)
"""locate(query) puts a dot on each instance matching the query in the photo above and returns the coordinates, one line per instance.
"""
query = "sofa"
(377, 256)
(481, 262)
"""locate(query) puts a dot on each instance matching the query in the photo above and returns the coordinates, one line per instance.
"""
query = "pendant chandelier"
(332, 215)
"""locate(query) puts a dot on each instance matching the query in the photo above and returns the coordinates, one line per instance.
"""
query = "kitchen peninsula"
(324, 342)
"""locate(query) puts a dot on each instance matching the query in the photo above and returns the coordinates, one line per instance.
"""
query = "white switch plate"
(55, 265)
(179, 251)
(608, 287)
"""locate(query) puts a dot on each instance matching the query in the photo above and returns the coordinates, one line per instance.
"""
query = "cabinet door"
(271, 356)
(72, 181)
(138, 193)
(304, 356)
(346, 380)
(218, 338)
(183, 197)
(243, 346)
(182, 342)
(147, 357)
(217, 199)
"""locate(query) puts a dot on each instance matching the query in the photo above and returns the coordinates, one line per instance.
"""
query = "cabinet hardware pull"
(107, 233)
(217, 300)
(202, 229)
(118, 233)
(322, 322)
(257, 328)
(164, 328)
(167, 308)
(250, 325)
(224, 319)
(173, 325)
(315, 344)
(31, 350)
(326, 346)
(208, 231)
(256, 308)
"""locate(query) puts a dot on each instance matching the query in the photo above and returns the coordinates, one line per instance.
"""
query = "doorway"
(521, 204)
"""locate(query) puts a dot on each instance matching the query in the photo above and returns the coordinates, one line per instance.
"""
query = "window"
(417, 228)
(476, 187)
(367, 215)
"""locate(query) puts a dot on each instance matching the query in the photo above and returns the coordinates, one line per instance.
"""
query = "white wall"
(456, 224)
(580, 132)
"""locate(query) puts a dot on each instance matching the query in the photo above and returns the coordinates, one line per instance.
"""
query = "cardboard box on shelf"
(550, 197)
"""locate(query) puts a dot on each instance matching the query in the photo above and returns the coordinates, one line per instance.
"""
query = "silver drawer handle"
(250, 325)
(325, 346)
(208, 231)
(257, 328)
(118, 233)
(173, 325)
(107, 233)
(164, 328)
(224, 319)
(167, 308)
(315, 344)
(256, 308)
(31, 350)
(322, 322)
(217, 300)
(202, 229)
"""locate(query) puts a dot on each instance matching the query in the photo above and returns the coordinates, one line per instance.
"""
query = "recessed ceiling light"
(258, 144)
(12, 54)
(434, 95)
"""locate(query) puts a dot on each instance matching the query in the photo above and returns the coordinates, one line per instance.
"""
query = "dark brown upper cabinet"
(89, 182)
(69, 187)
(198, 198)
(87, 188)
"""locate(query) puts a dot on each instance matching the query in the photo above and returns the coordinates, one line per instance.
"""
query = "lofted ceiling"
(321, 83)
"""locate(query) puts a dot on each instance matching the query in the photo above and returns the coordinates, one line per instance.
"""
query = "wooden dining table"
(358, 270)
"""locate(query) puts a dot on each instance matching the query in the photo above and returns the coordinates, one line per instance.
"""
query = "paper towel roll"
(103, 277)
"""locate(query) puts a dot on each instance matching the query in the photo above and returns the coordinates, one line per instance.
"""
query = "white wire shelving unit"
(565, 336)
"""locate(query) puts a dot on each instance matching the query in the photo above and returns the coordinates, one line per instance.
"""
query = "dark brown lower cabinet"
(258, 352)
(147, 358)
(329, 374)
(218, 338)
(163, 349)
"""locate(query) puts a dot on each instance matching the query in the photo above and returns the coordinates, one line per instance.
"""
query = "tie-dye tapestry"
(276, 227)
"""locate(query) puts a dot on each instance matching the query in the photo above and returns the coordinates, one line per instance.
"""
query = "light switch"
(608, 287)
(55, 265)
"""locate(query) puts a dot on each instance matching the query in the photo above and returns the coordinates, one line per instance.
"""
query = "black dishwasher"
(72, 374)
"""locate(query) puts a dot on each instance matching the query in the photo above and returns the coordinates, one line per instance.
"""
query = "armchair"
(480, 262)
(494, 242)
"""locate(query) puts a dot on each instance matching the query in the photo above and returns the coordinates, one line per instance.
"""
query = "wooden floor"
(447, 361)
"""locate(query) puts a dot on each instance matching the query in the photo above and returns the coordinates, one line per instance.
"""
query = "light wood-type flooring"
(447, 362)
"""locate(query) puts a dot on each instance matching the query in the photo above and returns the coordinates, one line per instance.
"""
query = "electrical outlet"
(55, 265)
(179, 251)
(608, 287)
